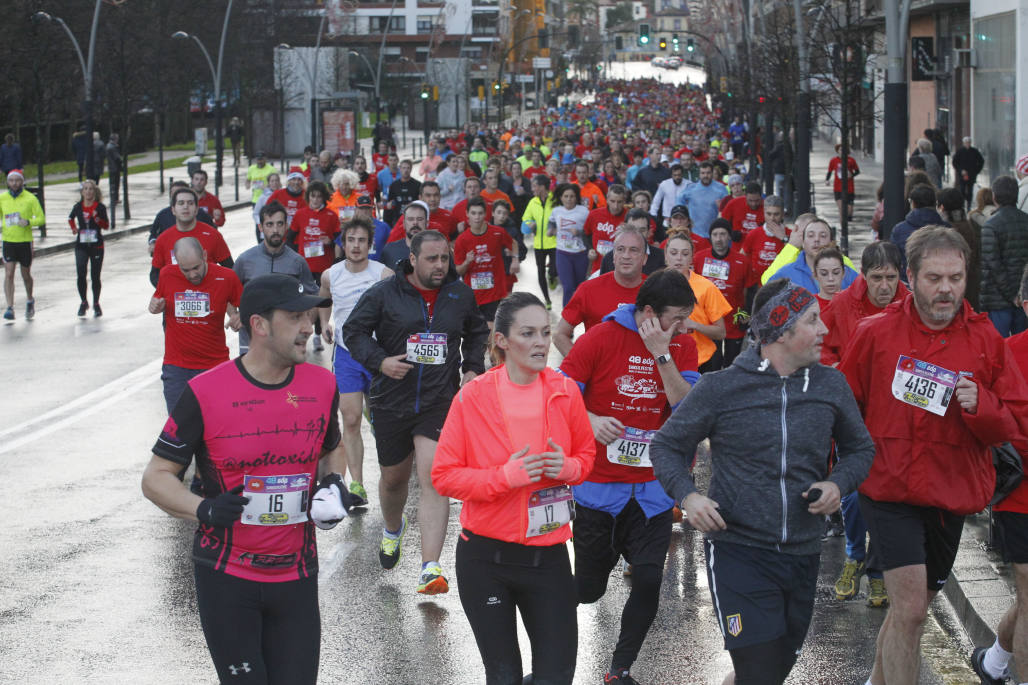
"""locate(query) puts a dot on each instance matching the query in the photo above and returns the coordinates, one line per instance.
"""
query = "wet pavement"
(98, 582)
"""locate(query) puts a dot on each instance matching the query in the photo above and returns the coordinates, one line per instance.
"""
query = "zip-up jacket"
(769, 441)
(390, 311)
(1004, 254)
(476, 443)
(25, 206)
(922, 458)
(844, 312)
(539, 212)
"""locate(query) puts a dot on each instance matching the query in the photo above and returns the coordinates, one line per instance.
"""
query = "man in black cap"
(366, 209)
(254, 552)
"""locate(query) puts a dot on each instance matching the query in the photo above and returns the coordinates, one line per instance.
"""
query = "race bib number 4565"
(426, 348)
(923, 385)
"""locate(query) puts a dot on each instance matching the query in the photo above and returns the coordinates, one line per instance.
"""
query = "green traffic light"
(644, 39)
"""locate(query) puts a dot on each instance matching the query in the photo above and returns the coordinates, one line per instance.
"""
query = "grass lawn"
(169, 163)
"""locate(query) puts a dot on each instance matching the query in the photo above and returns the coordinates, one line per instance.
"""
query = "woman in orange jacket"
(514, 439)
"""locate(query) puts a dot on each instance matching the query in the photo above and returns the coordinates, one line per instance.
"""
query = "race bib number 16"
(275, 500)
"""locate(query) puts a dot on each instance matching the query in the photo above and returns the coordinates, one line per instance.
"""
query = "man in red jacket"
(936, 386)
(1011, 518)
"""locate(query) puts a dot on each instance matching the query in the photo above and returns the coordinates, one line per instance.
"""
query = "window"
(425, 24)
(421, 55)
(395, 24)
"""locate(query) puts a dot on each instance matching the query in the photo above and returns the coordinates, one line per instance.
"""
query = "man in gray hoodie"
(769, 494)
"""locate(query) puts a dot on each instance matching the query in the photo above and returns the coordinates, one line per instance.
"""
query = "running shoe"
(549, 306)
(978, 664)
(30, 309)
(357, 490)
(849, 580)
(876, 595)
(553, 282)
(621, 677)
(9, 314)
(390, 549)
(97, 312)
(83, 308)
(432, 581)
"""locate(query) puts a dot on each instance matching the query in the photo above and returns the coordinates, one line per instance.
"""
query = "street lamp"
(374, 80)
(219, 143)
(87, 74)
(312, 75)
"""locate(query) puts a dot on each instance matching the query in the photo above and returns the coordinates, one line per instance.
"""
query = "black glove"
(223, 510)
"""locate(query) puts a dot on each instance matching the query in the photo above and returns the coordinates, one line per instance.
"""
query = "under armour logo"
(236, 670)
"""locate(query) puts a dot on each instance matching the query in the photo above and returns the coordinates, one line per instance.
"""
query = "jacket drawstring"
(806, 378)
(763, 364)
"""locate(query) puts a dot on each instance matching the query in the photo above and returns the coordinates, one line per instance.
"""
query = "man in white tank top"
(345, 282)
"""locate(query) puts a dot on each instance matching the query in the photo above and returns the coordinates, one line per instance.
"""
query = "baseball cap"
(277, 291)
(1022, 164)
(261, 155)
(680, 210)
(365, 201)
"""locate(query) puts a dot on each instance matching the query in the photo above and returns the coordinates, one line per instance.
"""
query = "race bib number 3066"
(923, 385)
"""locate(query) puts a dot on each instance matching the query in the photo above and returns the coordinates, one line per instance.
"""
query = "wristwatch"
(664, 358)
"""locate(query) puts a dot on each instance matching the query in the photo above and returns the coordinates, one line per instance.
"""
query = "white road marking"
(83, 406)
(333, 561)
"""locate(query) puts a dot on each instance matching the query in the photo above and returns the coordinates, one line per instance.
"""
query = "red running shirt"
(762, 248)
(210, 240)
(596, 298)
(486, 276)
(729, 275)
(311, 227)
(743, 218)
(194, 315)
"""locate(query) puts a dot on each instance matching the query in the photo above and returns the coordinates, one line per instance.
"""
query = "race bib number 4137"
(923, 385)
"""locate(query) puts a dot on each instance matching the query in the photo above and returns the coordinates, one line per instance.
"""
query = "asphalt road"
(97, 582)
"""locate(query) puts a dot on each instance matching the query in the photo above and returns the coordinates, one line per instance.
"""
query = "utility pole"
(801, 162)
(897, 16)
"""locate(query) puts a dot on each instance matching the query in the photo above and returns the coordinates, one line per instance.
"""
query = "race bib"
(12, 219)
(275, 500)
(568, 240)
(192, 305)
(258, 185)
(483, 280)
(346, 213)
(604, 246)
(87, 235)
(923, 385)
(631, 448)
(549, 509)
(715, 268)
(313, 249)
(426, 348)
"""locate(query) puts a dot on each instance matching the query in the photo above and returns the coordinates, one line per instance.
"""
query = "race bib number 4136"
(923, 385)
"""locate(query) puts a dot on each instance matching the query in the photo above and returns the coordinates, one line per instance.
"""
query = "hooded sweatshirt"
(769, 441)
(916, 218)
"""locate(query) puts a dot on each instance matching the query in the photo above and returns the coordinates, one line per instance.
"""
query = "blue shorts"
(350, 376)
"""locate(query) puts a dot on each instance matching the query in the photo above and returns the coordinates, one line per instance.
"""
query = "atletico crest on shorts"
(734, 624)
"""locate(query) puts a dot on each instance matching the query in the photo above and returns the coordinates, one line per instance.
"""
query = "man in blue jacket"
(922, 213)
(702, 199)
(764, 512)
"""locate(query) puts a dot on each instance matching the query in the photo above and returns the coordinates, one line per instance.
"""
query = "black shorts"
(600, 539)
(489, 309)
(849, 196)
(18, 252)
(761, 595)
(394, 435)
(1012, 533)
(906, 535)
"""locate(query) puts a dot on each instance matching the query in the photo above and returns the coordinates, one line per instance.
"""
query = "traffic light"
(644, 34)
(689, 45)
(435, 92)
(496, 86)
(674, 38)
(724, 84)
(663, 44)
(425, 92)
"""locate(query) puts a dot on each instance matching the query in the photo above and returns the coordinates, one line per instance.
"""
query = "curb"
(117, 234)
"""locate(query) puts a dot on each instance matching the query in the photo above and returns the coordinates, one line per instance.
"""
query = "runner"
(769, 494)
(292, 197)
(271, 255)
(345, 282)
(534, 222)
(257, 176)
(88, 220)
(707, 321)
(567, 224)
(194, 296)
(414, 220)
(20, 212)
(210, 202)
(256, 572)
(504, 566)
(312, 233)
(763, 244)
(936, 386)
(603, 222)
(432, 339)
(183, 204)
(598, 297)
(817, 236)
(746, 213)
(479, 255)
(633, 369)
(729, 271)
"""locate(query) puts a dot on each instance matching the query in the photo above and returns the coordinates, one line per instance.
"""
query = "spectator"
(951, 209)
(99, 155)
(967, 163)
(922, 213)
(1021, 169)
(10, 155)
(984, 206)
(931, 164)
(1004, 254)
(114, 168)
(80, 145)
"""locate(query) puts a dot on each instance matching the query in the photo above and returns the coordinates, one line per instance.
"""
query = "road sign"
(525, 78)
(541, 63)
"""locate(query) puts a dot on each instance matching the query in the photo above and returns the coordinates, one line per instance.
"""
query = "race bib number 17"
(923, 385)
(549, 509)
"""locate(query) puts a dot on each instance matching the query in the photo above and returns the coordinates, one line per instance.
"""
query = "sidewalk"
(865, 185)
